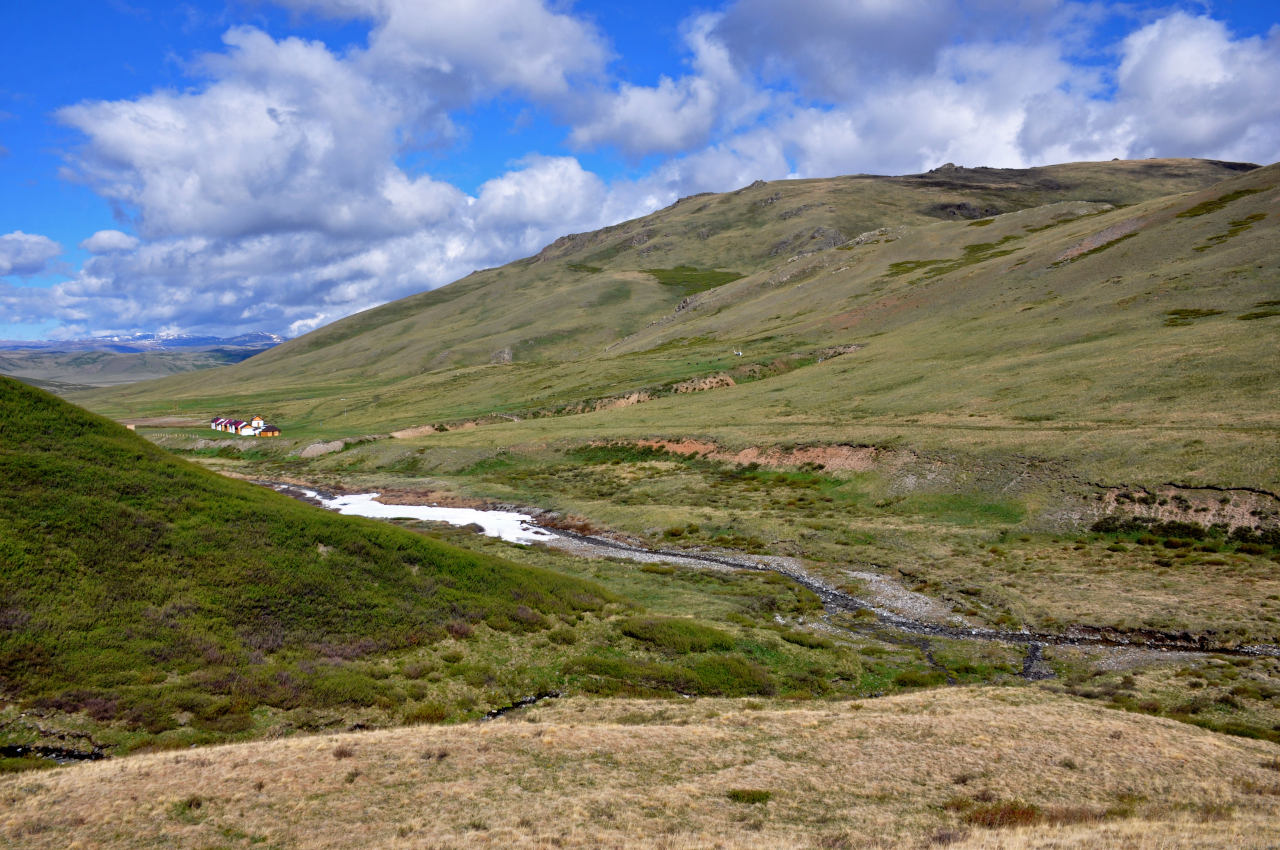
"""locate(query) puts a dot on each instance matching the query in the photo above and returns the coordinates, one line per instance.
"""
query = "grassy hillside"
(1039, 399)
(953, 396)
(138, 587)
(1031, 327)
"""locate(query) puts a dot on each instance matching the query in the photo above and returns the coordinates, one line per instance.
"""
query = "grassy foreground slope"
(963, 767)
(139, 588)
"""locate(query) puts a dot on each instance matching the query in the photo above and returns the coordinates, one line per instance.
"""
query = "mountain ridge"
(63, 366)
(781, 269)
(143, 341)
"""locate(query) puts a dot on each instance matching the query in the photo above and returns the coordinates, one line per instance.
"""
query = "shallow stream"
(521, 528)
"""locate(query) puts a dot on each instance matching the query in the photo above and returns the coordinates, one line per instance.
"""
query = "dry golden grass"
(895, 772)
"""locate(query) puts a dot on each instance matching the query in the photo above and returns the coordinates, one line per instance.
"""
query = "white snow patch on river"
(507, 525)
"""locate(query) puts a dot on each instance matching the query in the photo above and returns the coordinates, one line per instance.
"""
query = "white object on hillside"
(507, 525)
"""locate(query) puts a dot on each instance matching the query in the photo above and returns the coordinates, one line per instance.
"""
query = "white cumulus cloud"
(274, 193)
(1187, 87)
(287, 137)
(110, 242)
(465, 46)
(26, 253)
(678, 114)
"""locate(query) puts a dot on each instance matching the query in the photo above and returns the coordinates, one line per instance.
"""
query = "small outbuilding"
(254, 427)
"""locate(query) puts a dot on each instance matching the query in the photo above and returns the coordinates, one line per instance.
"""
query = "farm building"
(253, 427)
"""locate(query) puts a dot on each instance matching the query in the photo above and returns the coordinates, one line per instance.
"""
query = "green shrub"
(807, 640)
(658, 569)
(21, 764)
(714, 675)
(625, 676)
(750, 796)
(347, 687)
(729, 675)
(676, 634)
(1217, 203)
(687, 280)
(563, 636)
(919, 678)
(1185, 316)
(425, 712)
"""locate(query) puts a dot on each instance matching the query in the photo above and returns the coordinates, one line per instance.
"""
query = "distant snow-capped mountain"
(144, 342)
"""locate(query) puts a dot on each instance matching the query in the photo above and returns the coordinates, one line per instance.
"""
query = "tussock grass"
(1206, 207)
(580, 773)
(675, 635)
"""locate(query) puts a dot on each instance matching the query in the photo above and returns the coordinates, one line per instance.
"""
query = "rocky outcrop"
(697, 385)
(320, 449)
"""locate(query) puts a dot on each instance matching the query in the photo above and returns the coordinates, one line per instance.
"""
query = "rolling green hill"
(955, 388)
(137, 586)
(1117, 316)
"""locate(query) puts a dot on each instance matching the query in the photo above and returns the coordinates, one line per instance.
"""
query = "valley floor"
(963, 767)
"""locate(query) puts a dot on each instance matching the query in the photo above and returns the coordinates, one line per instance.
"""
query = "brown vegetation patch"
(891, 306)
(710, 382)
(439, 498)
(1202, 505)
(410, 433)
(320, 449)
(839, 458)
(617, 403)
(1103, 237)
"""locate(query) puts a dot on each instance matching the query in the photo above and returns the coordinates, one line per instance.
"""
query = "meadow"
(1035, 400)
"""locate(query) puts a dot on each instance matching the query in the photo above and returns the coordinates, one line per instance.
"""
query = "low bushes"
(706, 676)
(675, 634)
(1179, 534)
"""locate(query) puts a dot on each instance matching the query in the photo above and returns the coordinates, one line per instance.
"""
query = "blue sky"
(221, 167)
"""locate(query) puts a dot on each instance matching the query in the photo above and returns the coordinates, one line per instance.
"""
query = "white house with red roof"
(254, 427)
